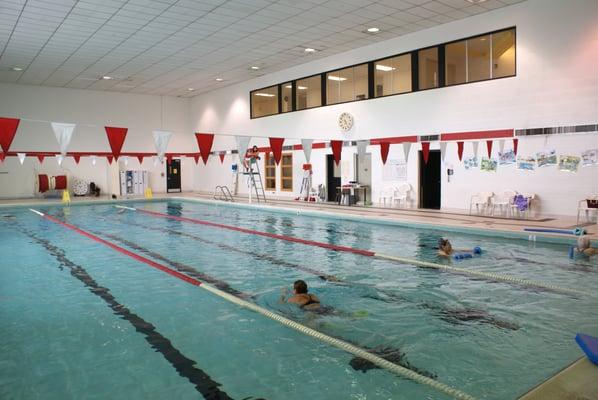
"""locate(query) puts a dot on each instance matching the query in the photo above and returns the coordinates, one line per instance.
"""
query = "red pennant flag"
(221, 155)
(276, 146)
(2, 156)
(337, 147)
(40, 157)
(515, 144)
(384, 147)
(140, 158)
(116, 137)
(110, 158)
(196, 158)
(426, 151)
(168, 158)
(77, 158)
(489, 145)
(8, 129)
(204, 141)
(460, 150)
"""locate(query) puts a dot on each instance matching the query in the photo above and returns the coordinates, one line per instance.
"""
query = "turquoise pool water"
(80, 320)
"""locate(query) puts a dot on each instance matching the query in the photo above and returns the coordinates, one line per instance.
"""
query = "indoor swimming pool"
(103, 302)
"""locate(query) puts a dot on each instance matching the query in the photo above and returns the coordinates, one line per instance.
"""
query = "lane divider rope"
(340, 344)
(462, 271)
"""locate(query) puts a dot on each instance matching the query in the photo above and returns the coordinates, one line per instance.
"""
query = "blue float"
(576, 231)
(589, 345)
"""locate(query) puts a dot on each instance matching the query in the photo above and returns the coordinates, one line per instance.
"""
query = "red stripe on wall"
(503, 133)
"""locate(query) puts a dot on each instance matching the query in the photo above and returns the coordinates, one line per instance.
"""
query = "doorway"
(363, 175)
(333, 177)
(173, 176)
(429, 180)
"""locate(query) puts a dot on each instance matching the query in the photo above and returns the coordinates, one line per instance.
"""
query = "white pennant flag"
(156, 160)
(242, 144)
(361, 148)
(59, 158)
(93, 160)
(475, 148)
(125, 160)
(21, 157)
(64, 133)
(306, 144)
(406, 148)
(501, 145)
(443, 150)
(161, 139)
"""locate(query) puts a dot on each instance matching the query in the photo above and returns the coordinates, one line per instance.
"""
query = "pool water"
(80, 320)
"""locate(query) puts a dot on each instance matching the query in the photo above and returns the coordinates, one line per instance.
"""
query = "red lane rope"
(266, 234)
(126, 252)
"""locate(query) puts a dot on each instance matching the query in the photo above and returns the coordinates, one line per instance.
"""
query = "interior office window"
(286, 172)
(287, 97)
(478, 58)
(309, 92)
(428, 68)
(455, 57)
(392, 75)
(264, 102)
(503, 53)
(347, 84)
(270, 172)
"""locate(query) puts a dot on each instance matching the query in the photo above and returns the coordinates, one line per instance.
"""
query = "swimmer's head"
(444, 244)
(300, 287)
(254, 148)
(583, 242)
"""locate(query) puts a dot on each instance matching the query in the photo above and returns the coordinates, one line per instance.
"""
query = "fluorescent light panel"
(384, 68)
(336, 78)
(264, 94)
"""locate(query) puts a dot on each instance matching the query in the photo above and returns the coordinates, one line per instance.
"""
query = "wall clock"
(345, 121)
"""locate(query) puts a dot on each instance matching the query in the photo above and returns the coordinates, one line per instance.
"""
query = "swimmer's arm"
(283, 295)
(592, 251)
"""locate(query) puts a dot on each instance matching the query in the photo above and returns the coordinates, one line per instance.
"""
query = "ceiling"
(165, 47)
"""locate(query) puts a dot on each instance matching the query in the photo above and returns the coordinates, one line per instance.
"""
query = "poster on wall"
(526, 163)
(471, 162)
(589, 158)
(488, 164)
(546, 158)
(569, 163)
(506, 157)
(394, 170)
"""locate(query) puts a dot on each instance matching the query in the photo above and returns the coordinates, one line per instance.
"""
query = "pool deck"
(578, 381)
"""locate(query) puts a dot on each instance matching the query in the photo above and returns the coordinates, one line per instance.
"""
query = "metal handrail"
(224, 195)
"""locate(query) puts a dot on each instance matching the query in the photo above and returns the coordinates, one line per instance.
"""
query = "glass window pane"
(428, 68)
(478, 58)
(455, 60)
(503, 53)
(347, 84)
(309, 92)
(287, 97)
(287, 184)
(264, 102)
(360, 75)
(392, 75)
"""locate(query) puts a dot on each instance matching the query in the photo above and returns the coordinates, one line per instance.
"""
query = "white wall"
(91, 110)
(556, 85)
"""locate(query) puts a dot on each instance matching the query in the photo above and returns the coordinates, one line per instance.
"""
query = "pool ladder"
(223, 193)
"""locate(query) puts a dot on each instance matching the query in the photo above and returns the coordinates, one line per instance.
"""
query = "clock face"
(345, 121)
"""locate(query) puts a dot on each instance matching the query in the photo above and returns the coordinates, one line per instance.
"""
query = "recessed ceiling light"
(302, 87)
(106, 77)
(17, 68)
(373, 30)
(336, 78)
(475, 1)
(309, 50)
(254, 67)
(219, 79)
(264, 94)
(384, 68)
(289, 86)
(190, 89)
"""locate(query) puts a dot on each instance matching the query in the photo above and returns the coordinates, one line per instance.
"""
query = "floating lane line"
(424, 264)
(340, 344)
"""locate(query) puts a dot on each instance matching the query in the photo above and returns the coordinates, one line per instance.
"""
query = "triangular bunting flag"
(204, 141)
(489, 146)
(443, 150)
(2, 156)
(77, 158)
(337, 148)
(361, 148)
(460, 150)
(515, 145)
(242, 145)
(140, 158)
(169, 159)
(110, 158)
(21, 157)
(306, 145)
(221, 155)
(384, 147)
(276, 146)
(59, 158)
(196, 158)
(40, 157)
(63, 133)
(475, 148)
(156, 160)
(116, 138)
(161, 139)
(8, 130)
(426, 151)
(406, 149)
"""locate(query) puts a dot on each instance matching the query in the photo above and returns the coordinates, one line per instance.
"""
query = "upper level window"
(347, 84)
(287, 97)
(392, 75)
(309, 92)
(428, 68)
(264, 102)
(503, 53)
(478, 58)
(455, 57)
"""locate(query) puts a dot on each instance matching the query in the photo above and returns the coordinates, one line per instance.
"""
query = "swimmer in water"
(301, 297)
(445, 249)
(584, 246)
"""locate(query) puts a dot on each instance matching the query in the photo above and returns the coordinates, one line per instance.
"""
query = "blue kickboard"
(589, 345)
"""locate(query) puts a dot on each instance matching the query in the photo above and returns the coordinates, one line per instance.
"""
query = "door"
(429, 180)
(173, 175)
(363, 174)
(333, 177)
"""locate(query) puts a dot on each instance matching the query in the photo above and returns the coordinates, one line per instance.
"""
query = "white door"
(363, 174)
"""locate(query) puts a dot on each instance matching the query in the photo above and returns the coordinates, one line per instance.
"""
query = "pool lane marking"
(338, 343)
(462, 271)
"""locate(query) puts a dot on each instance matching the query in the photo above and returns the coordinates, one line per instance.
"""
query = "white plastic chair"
(401, 195)
(582, 205)
(386, 194)
(503, 201)
(481, 201)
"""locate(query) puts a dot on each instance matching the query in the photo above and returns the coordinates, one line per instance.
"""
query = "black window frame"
(369, 78)
(295, 108)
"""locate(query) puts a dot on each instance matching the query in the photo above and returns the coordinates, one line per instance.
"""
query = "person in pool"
(445, 249)
(302, 297)
(250, 155)
(584, 246)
